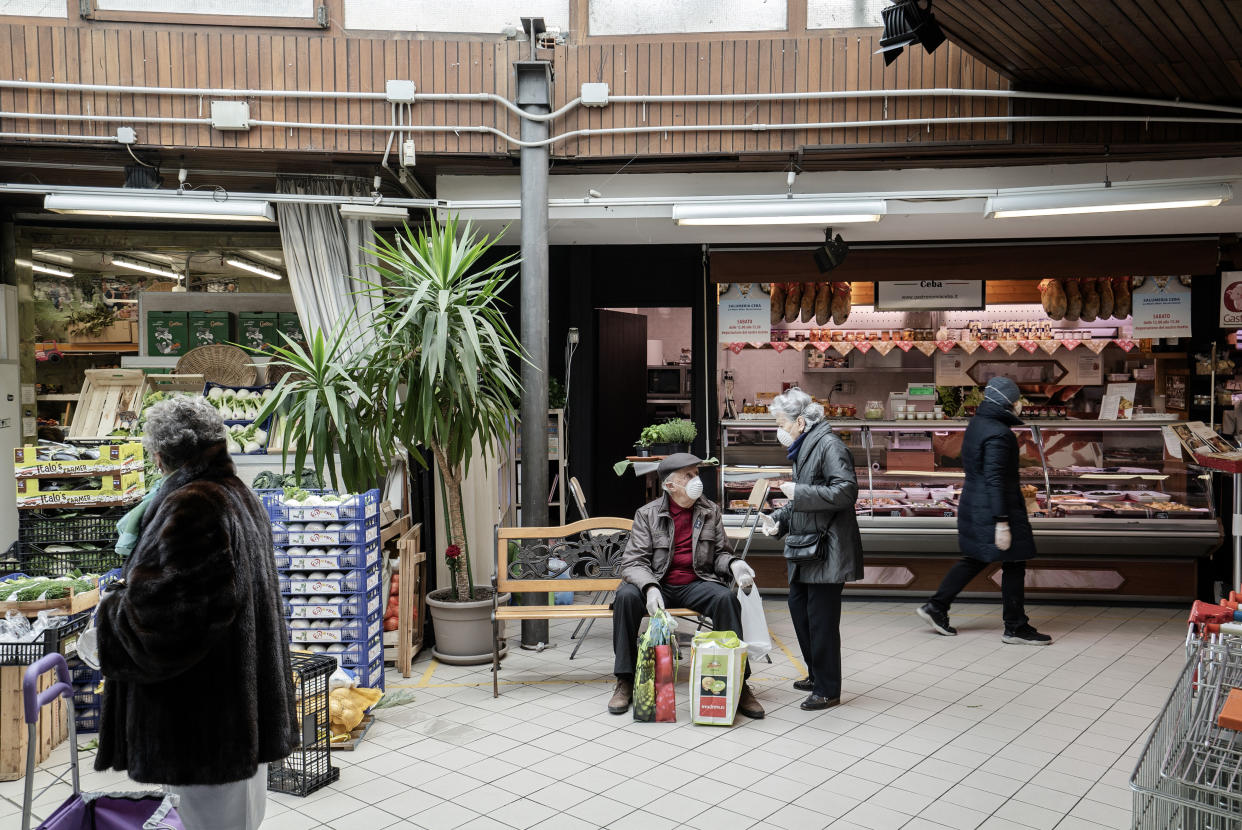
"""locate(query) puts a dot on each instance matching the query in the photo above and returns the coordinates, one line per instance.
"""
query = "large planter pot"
(463, 629)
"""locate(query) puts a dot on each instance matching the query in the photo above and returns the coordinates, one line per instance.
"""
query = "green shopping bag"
(717, 666)
(655, 675)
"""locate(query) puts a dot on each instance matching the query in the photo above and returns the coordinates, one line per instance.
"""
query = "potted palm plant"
(442, 373)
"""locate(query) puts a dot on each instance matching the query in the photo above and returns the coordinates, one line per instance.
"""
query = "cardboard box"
(209, 328)
(288, 323)
(257, 329)
(114, 489)
(168, 333)
(922, 461)
(113, 458)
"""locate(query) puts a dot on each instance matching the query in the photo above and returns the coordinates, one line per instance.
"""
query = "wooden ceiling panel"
(1188, 49)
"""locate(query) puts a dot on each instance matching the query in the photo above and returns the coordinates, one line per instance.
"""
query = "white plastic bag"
(754, 624)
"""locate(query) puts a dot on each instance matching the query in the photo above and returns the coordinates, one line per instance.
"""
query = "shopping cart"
(1189, 776)
(147, 810)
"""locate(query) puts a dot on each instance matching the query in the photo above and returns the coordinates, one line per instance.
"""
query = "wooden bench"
(591, 550)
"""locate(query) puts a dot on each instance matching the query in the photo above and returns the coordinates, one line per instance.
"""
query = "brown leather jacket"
(648, 553)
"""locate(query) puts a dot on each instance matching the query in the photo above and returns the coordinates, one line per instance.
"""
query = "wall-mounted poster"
(1176, 396)
(1161, 308)
(743, 314)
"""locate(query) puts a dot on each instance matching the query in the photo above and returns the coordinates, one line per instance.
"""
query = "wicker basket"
(276, 371)
(226, 365)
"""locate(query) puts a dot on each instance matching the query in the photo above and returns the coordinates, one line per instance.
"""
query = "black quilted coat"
(992, 488)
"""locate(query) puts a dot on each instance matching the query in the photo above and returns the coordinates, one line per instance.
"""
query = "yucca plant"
(451, 353)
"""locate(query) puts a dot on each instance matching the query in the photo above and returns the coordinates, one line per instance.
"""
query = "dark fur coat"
(194, 651)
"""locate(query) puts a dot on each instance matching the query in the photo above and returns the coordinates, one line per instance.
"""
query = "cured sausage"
(809, 292)
(1052, 295)
(1090, 300)
(823, 303)
(1073, 301)
(778, 302)
(1123, 302)
(793, 301)
(1108, 301)
(840, 302)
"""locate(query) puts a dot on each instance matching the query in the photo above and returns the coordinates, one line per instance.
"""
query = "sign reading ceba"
(929, 295)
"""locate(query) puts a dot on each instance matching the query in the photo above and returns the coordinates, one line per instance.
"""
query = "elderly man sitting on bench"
(677, 554)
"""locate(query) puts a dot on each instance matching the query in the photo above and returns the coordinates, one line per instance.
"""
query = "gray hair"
(180, 429)
(795, 404)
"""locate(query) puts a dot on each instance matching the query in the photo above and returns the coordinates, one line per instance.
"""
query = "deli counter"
(1115, 514)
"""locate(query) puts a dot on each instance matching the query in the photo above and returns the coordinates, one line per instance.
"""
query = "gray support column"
(534, 94)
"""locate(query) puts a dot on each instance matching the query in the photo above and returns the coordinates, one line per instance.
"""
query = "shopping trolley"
(144, 810)
(1189, 776)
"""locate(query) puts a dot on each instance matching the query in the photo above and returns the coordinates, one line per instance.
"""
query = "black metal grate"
(309, 768)
(36, 560)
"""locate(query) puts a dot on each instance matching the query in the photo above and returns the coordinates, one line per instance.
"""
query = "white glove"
(1003, 538)
(788, 489)
(768, 525)
(655, 600)
(743, 574)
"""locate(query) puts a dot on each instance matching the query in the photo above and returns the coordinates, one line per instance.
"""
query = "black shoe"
(938, 620)
(1026, 636)
(807, 685)
(815, 702)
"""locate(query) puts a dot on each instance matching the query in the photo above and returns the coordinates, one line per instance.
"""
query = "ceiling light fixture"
(375, 213)
(44, 268)
(146, 268)
(177, 206)
(905, 24)
(1105, 200)
(63, 259)
(782, 212)
(252, 268)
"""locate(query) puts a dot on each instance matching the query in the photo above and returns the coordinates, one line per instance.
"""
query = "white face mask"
(1017, 408)
(784, 437)
(694, 488)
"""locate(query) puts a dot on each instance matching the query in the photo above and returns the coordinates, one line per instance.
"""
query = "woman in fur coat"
(198, 691)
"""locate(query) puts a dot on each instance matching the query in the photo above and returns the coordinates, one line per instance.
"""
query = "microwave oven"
(668, 382)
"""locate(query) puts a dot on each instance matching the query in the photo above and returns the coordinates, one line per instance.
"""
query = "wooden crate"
(14, 735)
(412, 599)
(121, 331)
(110, 399)
(170, 383)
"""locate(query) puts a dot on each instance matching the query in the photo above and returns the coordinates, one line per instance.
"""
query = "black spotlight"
(831, 253)
(906, 23)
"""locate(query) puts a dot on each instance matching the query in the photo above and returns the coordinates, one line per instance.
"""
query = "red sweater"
(681, 569)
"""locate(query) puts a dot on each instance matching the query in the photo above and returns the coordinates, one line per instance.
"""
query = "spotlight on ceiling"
(832, 253)
(906, 23)
(252, 268)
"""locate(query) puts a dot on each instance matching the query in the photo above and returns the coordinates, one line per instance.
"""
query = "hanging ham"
(823, 303)
(778, 302)
(1122, 300)
(840, 302)
(1108, 301)
(1052, 295)
(1073, 301)
(1090, 300)
(793, 301)
(809, 293)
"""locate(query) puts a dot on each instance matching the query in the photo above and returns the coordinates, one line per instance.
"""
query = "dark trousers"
(711, 599)
(816, 613)
(1013, 589)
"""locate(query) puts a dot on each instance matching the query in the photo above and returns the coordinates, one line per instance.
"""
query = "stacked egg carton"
(328, 557)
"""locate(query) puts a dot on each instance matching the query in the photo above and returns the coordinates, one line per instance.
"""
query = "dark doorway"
(621, 388)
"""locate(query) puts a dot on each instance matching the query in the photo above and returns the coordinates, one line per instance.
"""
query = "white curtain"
(324, 257)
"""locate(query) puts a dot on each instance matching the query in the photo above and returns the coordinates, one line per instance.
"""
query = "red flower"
(452, 552)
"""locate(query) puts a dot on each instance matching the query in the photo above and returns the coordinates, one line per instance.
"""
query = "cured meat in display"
(778, 302)
(793, 301)
(840, 302)
(1122, 301)
(809, 292)
(1052, 295)
(1108, 301)
(1090, 300)
(823, 303)
(1073, 301)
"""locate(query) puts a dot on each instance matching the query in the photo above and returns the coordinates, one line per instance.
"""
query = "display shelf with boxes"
(1114, 512)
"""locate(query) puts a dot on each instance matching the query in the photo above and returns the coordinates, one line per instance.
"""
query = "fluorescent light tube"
(43, 268)
(1115, 199)
(160, 207)
(63, 259)
(780, 212)
(378, 213)
(146, 268)
(254, 269)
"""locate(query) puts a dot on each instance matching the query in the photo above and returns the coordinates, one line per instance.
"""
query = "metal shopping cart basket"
(1189, 776)
(84, 811)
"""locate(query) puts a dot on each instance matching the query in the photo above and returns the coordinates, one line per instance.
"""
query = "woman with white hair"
(823, 548)
(198, 690)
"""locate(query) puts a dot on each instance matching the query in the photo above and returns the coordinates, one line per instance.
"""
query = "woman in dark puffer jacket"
(992, 525)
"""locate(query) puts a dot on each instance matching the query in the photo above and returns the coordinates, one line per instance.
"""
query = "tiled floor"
(933, 733)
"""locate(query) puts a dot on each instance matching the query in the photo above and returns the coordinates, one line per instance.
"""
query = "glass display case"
(1099, 493)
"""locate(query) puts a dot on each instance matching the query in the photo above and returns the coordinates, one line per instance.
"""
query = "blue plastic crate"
(333, 582)
(356, 605)
(86, 720)
(272, 501)
(372, 677)
(332, 558)
(342, 630)
(359, 656)
(362, 532)
(353, 507)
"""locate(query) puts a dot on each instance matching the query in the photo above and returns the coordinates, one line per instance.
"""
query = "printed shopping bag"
(754, 624)
(656, 672)
(717, 664)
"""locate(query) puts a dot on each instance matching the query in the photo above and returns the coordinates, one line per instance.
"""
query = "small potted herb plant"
(648, 441)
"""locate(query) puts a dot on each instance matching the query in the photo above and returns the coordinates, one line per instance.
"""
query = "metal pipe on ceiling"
(213, 196)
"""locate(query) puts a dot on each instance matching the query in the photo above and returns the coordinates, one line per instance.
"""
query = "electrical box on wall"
(230, 115)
